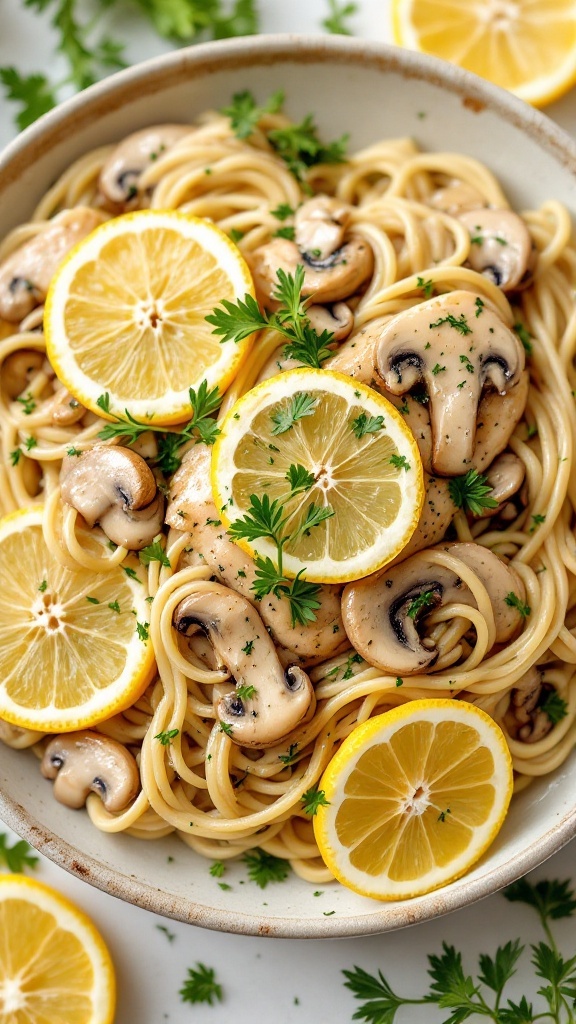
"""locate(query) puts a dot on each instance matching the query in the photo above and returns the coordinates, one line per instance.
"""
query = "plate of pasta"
(287, 541)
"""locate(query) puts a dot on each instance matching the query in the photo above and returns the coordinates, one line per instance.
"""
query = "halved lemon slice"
(73, 646)
(54, 964)
(355, 457)
(125, 314)
(416, 796)
(526, 46)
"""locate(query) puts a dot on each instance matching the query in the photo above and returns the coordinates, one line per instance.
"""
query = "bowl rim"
(146, 77)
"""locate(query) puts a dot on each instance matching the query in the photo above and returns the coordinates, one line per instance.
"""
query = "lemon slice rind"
(380, 730)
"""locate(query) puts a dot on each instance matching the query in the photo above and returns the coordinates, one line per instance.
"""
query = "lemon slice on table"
(54, 964)
(526, 46)
(72, 650)
(355, 457)
(415, 796)
(125, 314)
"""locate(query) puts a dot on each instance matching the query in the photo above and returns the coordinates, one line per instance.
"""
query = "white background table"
(280, 981)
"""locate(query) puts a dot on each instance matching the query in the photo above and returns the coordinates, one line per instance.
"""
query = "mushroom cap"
(329, 280)
(455, 344)
(121, 171)
(456, 198)
(280, 697)
(501, 245)
(115, 487)
(86, 762)
(18, 368)
(381, 620)
(320, 223)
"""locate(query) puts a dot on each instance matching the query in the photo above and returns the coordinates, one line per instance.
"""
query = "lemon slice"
(363, 463)
(54, 964)
(415, 798)
(68, 658)
(526, 46)
(125, 314)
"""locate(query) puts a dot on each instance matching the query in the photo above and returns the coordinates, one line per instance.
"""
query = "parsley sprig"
(298, 145)
(265, 519)
(90, 53)
(265, 867)
(455, 991)
(17, 857)
(235, 321)
(471, 493)
(201, 986)
(201, 427)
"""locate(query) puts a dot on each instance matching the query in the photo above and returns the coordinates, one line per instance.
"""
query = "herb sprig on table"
(17, 857)
(235, 321)
(464, 997)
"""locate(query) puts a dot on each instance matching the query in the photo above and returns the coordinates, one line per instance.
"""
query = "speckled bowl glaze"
(371, 91)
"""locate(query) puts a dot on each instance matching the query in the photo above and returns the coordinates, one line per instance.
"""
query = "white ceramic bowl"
(371, 91)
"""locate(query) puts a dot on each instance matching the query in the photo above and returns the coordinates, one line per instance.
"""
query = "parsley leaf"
(154, 553)
(400, 462)
(299, 146)
(312, 799)
(264, 867)
(17, 857)
(424, 600)
(513, 601)
(364, 424)
(201, 986)
(244, 112)
(300, 406)
(217, 869)
(555, 707)
(335, 21)
(33, 92)
(166, 737)
(458, 323)
(470, 492)
(299, 479)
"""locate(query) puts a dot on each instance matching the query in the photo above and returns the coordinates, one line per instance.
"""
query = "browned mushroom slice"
(113, 486)
(86, 762)
(269, 700)
(454, 345)
(328, 280)
(500, 245)
(382, 613)
(120, 175)
(26, 273)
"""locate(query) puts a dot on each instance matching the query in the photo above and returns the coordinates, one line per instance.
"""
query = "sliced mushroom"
(119, 177)
(269, 700)
(505, 477)
(338, 319)
(500, 245)
(85, 762)
(457, 198)
(525, 719)
(191, 509)
(381, 613)
(334, 267)
(437, 513)
(320, 225)
(17, 738)
(455, 345)
(66, 409)
(18, 369)
(26, 273)
(113, 486)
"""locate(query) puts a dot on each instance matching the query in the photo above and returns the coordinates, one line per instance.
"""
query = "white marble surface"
(285, 981)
